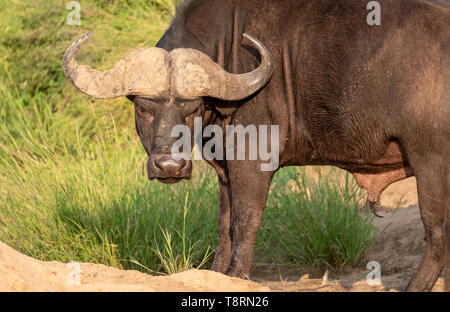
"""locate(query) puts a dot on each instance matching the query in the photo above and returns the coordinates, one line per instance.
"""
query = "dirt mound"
(22, 273)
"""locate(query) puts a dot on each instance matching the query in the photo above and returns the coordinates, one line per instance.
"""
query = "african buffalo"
(371, 99)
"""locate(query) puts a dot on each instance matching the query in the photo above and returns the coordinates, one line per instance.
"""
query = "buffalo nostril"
(170, 166)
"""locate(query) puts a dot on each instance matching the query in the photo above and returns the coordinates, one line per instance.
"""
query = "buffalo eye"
(143, 112)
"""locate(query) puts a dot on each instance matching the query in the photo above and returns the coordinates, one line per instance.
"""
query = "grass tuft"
(314, 219)
(174, 261)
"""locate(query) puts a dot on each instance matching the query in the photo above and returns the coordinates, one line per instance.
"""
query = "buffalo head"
(167, 89)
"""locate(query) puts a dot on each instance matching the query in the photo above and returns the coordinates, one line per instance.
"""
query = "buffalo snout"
(167, 169)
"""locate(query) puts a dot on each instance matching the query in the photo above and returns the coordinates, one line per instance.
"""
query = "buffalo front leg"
(223, 252)
(432, 189)
(249, 189)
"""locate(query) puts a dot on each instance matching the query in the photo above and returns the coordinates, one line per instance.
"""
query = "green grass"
(72, 171)
(319, 220)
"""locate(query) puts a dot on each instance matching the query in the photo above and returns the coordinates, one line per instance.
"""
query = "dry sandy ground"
(22, 273)
(398, 250)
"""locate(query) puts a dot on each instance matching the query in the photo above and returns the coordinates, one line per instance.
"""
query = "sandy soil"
(22, 273)
(398, 250)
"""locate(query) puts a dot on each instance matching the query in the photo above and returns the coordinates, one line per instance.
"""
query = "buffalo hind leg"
(222, 257)
(249, 189)
(431, 177)
(447, 235)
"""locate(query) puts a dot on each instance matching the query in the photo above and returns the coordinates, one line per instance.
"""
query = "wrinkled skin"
(374, 101)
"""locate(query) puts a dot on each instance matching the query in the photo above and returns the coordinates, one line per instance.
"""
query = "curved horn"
(196, 74)
(134, 74)
(239, 86)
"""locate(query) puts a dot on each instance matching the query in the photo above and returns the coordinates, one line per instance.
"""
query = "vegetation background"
(73, 183)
